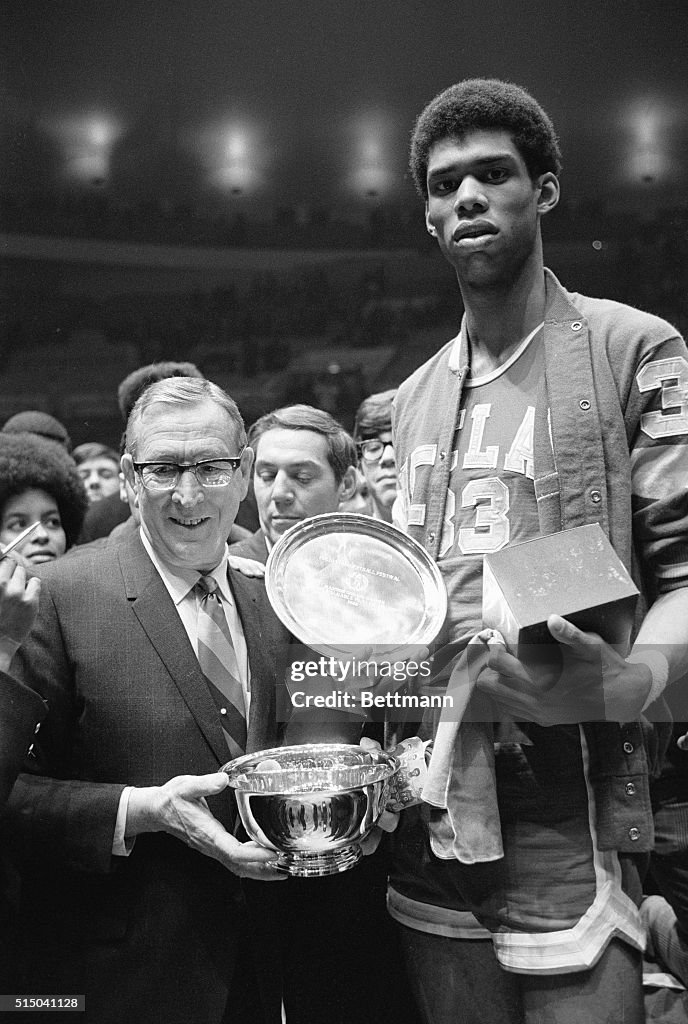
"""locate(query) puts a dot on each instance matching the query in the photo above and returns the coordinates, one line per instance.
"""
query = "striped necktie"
(218, 662)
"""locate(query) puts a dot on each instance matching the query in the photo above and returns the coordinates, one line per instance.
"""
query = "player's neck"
(498, 319)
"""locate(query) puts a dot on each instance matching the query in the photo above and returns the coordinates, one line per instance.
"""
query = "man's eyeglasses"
(165, 476)
(371, 451)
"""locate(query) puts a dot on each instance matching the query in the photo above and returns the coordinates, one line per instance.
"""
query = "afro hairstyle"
(28, 461)
(485, 104)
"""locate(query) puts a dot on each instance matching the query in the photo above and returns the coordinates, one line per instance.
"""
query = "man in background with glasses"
(373, 437)
(157, 662)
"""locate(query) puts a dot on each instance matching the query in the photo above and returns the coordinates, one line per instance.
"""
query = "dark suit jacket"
(153, 936)
(21, 710)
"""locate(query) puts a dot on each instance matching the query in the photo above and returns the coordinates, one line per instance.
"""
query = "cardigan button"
(576, 325)
(443, 455)
(628, 747)
(431, 538)
(596, 497)
(630, 788)
(634, 834)
(584, 404)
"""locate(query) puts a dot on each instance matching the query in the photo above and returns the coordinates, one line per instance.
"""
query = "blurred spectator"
(138, 380)
(110, 521)
(39, 482)
(103, 516)
(373, 437)
(98, 468)
(33, 421)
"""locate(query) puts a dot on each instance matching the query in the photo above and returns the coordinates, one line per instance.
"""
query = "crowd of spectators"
(97, 215)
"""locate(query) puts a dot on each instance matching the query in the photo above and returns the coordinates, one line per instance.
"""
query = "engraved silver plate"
(343, 581)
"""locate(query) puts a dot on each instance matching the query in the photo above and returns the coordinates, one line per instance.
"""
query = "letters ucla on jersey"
(491, 497)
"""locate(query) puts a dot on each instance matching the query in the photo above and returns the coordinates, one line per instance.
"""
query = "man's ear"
(246, 466)
(127, 467)
(549, 189)
(347, 487)
(432, 230)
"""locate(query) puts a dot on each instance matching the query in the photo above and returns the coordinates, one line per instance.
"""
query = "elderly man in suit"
(124, 826)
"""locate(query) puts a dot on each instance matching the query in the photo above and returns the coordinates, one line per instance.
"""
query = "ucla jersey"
(491, 499)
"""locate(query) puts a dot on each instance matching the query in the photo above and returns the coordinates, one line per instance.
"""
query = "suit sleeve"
(51, 812)
(21, 712)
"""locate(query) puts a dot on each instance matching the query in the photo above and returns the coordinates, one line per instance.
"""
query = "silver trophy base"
(310, 865)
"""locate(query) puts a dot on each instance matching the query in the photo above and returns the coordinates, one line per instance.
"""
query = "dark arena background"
(226, 183)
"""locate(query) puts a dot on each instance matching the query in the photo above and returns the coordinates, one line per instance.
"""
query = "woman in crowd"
(39, 482)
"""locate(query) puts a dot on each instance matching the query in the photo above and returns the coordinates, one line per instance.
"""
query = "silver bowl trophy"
(340, 582)
(313, 803)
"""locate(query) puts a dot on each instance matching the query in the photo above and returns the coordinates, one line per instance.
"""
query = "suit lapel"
(158, 616)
